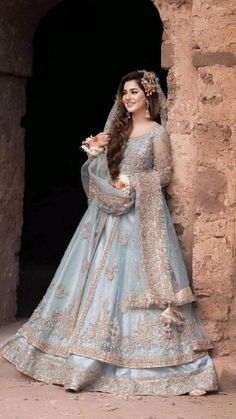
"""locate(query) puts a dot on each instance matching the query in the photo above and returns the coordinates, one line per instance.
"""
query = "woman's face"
(133, 97)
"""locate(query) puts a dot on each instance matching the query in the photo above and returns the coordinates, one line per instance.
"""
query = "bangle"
(89, 148)
(87, 140)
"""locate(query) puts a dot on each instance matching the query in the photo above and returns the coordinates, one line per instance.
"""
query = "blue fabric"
(83, 336)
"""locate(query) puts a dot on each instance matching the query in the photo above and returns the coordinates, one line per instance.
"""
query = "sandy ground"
(24, 398)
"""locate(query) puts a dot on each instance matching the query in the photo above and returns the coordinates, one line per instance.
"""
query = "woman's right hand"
(101, 139)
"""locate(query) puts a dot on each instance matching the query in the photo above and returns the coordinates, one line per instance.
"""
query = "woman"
(117, 316)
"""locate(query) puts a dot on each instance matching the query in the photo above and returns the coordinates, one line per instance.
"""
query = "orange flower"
(119, 185)
(95, 139)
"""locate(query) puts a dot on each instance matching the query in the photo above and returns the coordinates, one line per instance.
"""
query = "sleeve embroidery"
(162, 158)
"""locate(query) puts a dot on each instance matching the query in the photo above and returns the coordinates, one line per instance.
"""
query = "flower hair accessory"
(149, 82)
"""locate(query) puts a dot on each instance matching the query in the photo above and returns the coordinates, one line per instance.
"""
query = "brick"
(207, 59)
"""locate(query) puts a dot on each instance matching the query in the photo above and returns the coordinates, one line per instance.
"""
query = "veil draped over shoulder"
(162, 102)
(163, 287)
(115, 317)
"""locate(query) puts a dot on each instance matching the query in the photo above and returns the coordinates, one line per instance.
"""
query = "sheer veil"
(163, 107)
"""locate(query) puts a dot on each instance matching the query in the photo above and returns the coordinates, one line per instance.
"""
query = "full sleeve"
(162, 158)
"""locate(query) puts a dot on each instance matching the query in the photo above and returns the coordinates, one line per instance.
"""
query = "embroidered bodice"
(138, 155)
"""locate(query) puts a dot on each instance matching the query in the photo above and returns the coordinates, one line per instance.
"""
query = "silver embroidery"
(111, 271)
(124, 238)
(57, 370)
(85, 265)
(86, 230)
(61, 291)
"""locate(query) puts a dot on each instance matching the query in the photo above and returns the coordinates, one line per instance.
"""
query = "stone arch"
(18, 22)
(20, 71)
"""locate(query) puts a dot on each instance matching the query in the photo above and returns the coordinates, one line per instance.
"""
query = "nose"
(128, 97)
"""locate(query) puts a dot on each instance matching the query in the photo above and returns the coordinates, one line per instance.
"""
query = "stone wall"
(199, 49)
(18, 20)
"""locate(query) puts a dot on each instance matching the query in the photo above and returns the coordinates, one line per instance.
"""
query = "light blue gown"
(100, 325)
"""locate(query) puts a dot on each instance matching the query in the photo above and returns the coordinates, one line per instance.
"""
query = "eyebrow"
(132, 88)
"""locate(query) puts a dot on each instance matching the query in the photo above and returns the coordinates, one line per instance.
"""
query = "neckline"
(145, 133)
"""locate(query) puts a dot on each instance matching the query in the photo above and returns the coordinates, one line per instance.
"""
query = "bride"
(118, 315)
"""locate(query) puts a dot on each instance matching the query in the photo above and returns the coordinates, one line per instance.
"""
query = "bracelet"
(91, 150)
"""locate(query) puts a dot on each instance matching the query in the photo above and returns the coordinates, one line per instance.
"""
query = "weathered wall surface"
(11, 189)
(214, 56)
(182, 104)
(18, 20)
(199, 49)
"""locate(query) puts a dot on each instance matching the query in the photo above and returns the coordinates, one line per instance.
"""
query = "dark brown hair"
(121, 126)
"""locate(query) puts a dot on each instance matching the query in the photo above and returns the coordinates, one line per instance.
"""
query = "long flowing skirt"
(81, 337)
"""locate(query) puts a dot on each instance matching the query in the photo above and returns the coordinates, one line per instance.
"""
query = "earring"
(147, 113)
(128, 115)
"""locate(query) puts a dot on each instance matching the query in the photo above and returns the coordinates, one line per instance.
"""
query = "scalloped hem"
(78, 373)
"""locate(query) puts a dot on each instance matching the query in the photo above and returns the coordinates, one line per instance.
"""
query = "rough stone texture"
(182, 104)
(214, 25)
(214, 225)
(228, 378)
(204, 59)
(202, 115)
(18, 20)
(11, 189)
(167, 55)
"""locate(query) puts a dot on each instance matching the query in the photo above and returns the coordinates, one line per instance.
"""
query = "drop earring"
(128, 115)
(147, 113)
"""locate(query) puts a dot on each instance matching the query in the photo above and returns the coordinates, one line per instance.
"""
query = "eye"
(124, 92)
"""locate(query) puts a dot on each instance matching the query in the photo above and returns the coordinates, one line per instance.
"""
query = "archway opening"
(75, 78)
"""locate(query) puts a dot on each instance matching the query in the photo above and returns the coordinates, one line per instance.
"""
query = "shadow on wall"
(75, 78)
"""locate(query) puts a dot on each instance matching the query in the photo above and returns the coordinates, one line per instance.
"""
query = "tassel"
(171, 316)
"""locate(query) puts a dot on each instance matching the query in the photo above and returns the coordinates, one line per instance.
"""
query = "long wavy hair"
(121, 126)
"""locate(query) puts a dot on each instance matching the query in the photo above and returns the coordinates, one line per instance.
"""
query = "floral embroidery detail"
(111, 271)
(99, 229)
(100, 268)
(112, 204)
(86, 230)
(57, 324)
(85, 265)
(124, 238)
(52, 334)
(134, 153)
(107, 335)
(61, 291)
(138, 156)
(134, 300)
(57, 370)
(104, 339)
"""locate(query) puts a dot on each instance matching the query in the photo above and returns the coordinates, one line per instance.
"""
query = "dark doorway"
(75, 77)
